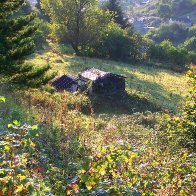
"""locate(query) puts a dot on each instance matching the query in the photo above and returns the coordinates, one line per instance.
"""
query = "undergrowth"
(131, 145)
(87, 154)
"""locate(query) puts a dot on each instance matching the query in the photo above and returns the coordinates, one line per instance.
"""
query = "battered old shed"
(93, 80)
(66, 82)
(101, 82)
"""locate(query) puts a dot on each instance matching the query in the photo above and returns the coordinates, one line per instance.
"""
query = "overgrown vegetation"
(138, 143)
(142, 153)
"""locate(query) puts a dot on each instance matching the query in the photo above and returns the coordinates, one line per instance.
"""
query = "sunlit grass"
(162, 87)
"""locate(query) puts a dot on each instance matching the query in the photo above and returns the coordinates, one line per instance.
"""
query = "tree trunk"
(75, 47)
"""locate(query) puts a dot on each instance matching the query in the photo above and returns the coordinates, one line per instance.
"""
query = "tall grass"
(164, 88)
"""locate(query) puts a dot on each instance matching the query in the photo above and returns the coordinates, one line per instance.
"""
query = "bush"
(164, 11)
(179, 56)
(192, 32)
(189, 112)
(41, 34)
(175, 33)
(115, 43)
(182, 6)
(190, 44)
(192, 57)
(119, 44)
(169, 53)
(183, 124)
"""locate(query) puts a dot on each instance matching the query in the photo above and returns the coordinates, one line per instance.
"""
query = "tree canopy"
(80, 21)
(115, 7)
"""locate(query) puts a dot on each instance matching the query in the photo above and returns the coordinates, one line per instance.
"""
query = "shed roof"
(64, 82)
(93, 74)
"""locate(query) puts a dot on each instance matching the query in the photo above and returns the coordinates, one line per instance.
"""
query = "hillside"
(120, 120)
(74, 126)
(148, 16)
(161, 87)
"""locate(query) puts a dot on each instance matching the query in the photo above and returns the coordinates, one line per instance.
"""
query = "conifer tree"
(15, 34)
(115, 6)
(42, 14)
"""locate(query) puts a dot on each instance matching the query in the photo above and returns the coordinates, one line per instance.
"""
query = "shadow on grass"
(141, 95)
(121, 104)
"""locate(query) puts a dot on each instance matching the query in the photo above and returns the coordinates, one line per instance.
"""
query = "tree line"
(90, 28)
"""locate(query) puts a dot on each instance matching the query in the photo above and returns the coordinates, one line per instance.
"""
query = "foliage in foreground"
(187, 121)
(159, 165)
(19, 173)
(123, 169)
(103, 156)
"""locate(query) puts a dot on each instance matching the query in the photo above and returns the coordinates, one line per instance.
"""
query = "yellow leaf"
(134, 179)
(182, 193)
(21, 178)
(7, 148)
(19, 189)
(102, 172)
(24, 160)
(114, 174)
(89, 186)
(75, 187)
(32, 144)
(82, 171)
(133, 155)
(68, 192)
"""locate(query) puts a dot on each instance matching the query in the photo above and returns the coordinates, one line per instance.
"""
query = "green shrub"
(164, 11)
(41, 34)
(115, 44)
(169, 53)
(119, 44)
(192, 57)
(190, 44)
(187, 119)
(175, 32)
(192, 32)
(179, 56)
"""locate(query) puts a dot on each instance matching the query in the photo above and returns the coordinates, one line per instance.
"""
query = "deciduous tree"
(79, 21)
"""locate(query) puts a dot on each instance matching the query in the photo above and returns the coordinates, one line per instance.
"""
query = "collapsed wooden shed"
(66, 82)
(93, 80)
(102, 82)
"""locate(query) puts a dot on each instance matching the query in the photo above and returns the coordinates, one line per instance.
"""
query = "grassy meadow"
(140, 142)
(75, 127)
(150, 88)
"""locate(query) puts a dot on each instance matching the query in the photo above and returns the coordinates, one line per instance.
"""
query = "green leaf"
(2, 171)
(16, 123)
(34, 127)
(86, 165)
(85, 177)
(2, 99)
(9, 125)
(89, 186)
